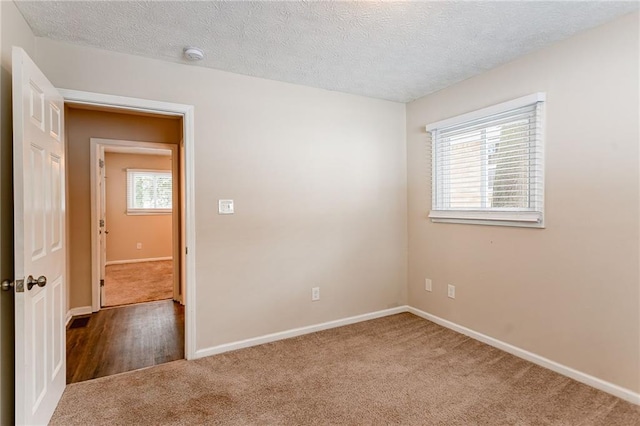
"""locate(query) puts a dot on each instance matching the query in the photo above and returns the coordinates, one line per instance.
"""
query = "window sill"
(515, 219)
(153, 212)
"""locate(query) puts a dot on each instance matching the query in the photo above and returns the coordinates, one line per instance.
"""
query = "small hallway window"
(149, 191)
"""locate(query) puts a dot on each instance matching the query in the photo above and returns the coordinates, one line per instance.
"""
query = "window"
(488, 165)
(149, 191)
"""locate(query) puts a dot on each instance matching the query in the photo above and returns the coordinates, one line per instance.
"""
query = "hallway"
(116, 340)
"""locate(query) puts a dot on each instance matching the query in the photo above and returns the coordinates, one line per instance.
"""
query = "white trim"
(493, 109)
(268, 338)
(150, 259)
(95, 155)
(126, 103)
(190, 237)
(137, 151)
(187, 114)
(521, 224)
(164, 172)
(149, 212)
(613, 389)
(521, 219)
(487, 215)
(74, 312)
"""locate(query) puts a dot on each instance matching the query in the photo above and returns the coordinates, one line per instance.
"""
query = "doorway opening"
(136, 222)
(137, 235)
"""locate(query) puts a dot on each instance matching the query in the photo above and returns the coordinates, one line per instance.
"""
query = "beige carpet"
(138, 282)
(394, 370)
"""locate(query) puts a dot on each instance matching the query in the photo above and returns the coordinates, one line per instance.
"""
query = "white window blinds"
(489, 167)
(149, 191)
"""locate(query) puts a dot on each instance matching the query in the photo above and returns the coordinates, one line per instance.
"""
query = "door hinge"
(101, 223)
(101, 283)
(101, 163)
(186, 250)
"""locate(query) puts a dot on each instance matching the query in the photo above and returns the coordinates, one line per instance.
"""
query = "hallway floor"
(115, 340)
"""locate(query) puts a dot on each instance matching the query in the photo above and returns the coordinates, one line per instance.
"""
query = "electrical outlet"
(139, 246)
(451, 291)
(427, 284)
(315, 294)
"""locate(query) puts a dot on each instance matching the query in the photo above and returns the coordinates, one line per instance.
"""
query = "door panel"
(39, 347)
(35, 207)
(58, 330)
(55, 120)
(39, 214)
(56, 203)
(36, 104)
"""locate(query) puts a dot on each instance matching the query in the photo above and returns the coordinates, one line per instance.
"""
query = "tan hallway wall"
(13, 31)
(81, 126)
(319, 184)
(569, 292)
(153, 231)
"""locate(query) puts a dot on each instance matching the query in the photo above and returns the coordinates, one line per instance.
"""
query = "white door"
(39, 208)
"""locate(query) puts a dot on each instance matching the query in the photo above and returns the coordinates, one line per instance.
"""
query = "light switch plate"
(225, 206)
(427, 284)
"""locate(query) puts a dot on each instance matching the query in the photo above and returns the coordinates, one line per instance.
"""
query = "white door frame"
(98, 146)
(187, 114)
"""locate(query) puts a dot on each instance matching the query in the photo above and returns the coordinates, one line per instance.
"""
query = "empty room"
(361, 212)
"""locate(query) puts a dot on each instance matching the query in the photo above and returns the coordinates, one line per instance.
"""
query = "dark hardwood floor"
(116, 340)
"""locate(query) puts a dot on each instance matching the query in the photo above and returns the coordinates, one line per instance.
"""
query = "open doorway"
(126, 239)
(138, 226)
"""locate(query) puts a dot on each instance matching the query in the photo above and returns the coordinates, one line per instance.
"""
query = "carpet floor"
(138, 282)
(400, 369)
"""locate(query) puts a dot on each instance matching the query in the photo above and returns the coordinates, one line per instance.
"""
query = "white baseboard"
(620, 392)
(268, 338)
(151, 259)
(82, 310)
(613, 389)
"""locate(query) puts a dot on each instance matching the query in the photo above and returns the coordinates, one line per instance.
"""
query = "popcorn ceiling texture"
(397, 51)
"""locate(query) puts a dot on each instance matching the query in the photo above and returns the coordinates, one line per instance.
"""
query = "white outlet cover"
(451, 291)
(315, 293)
(225, 206)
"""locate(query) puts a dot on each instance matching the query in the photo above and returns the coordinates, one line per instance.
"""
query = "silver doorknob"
(40, 282)
(6, 285)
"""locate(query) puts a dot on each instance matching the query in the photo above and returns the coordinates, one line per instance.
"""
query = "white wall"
(569, 292)
(318, 179)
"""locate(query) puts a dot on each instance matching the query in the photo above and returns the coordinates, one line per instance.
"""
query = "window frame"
(133, 211)
(502, 217)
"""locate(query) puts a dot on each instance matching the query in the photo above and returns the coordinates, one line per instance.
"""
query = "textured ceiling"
(398, 51)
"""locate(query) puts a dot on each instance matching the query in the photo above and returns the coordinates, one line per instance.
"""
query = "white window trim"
(131, 211)
(493, 109)
(515, 218)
